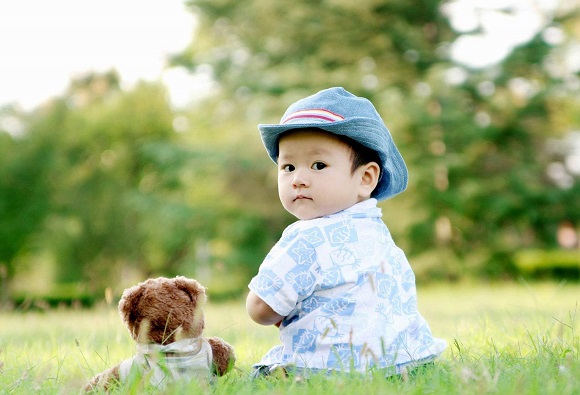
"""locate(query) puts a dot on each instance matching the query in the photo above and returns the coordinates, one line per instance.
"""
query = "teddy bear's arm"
(224, 357)
(104, 381)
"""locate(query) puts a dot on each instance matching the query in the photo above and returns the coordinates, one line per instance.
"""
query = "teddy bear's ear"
(129, 302)
(194, 289)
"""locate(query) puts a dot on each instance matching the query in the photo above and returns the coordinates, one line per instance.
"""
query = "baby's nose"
(299, 179)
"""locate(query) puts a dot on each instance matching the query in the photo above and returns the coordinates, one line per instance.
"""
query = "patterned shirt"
(347, 293)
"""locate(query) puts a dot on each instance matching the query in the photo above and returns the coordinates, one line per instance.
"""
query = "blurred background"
(129, 147)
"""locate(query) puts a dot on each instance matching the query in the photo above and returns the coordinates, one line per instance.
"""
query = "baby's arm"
(260, 312)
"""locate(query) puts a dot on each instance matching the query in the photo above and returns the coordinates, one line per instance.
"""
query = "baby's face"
(314, 174)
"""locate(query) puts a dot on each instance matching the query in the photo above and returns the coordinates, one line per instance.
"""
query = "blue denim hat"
(338, 111)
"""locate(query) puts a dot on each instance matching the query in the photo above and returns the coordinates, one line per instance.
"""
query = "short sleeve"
(288, 274)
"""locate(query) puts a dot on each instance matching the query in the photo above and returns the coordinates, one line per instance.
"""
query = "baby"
(340, 290)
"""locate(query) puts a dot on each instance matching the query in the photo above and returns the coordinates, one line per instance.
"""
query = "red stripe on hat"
(313, 113)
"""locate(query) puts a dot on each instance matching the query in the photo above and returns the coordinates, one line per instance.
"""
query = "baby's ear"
(191, 287)
(370, 174)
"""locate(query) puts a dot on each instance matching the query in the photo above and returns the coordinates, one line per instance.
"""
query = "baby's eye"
(318, 166)
(288, 168)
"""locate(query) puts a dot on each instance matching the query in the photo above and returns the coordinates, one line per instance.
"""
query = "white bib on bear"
(186, 359)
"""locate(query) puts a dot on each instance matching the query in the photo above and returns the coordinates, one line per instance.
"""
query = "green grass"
(503, 339)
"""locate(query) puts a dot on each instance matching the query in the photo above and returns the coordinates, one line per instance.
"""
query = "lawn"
(513, 338)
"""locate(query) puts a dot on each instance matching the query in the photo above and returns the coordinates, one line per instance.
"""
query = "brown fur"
(161, 311)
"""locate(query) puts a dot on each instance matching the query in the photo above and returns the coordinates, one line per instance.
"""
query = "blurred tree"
(293, 48)
(120, 164)
(24, 185)
(108, 165)
(485, 149)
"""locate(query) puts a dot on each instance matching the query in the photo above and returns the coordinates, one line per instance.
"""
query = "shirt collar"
(365, 209)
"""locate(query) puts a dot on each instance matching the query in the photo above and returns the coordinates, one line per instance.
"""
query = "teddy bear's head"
(163, 310)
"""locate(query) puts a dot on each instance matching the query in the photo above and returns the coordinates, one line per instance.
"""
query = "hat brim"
(368, 132)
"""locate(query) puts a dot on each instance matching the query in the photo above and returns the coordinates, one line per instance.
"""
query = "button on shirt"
(347, 293)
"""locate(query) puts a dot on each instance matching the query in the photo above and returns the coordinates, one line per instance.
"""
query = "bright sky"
(43, 43)
(494, 27)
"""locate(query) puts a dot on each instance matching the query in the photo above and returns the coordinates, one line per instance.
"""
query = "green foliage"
(102, 150)
(280, 47)
(553, 262)
(24, 184)
(97, 180)
(60, 296)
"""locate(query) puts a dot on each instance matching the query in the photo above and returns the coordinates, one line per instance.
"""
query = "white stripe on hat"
(316, 113)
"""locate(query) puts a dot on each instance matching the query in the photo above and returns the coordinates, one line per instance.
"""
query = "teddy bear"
(165, 318)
